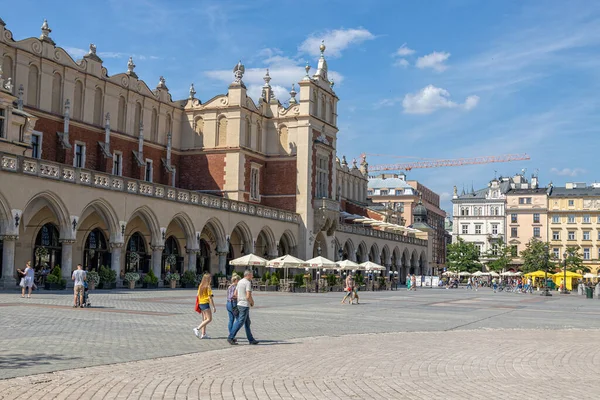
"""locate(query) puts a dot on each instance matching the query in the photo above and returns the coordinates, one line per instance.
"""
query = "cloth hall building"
(101, 169)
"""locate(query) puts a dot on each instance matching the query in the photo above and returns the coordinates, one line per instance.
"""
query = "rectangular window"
(494, 229)
(556, 253)
(478, 247)
(536, 218)
(598, 221)
(514, 251)
(536, 232)
(148, 177)
(571, 219)
(370, 192)
(399, 192)
(555, 219)
(323, 177)
(586, 253)
(36, 145)
(117, 163)
(513, 218)
(571, 203)
(2, 119)
(586, 235)
(79, 158)
(254, 184)
(571, 235)
(478, 229)
(383, 192)
(464, 229)
(555, 235)
(521, 200)
(513, 232)
(587, 219)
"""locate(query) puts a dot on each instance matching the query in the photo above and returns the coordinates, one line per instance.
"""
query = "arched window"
(203, 258)
(171, 259)
(315, 101)
(57, 103)
(328, 110)
(248, 133)
(154, 127)
(95, 252)
(137, 119)
(283, 140)
(98, 107)
(221, 139)
(78, 102)
(122, 114)
(322, 107)
(136, 258)
(258, 137)
(47, 250)
(169, 126)
(199, 129)
(32, 86)
(7, 69)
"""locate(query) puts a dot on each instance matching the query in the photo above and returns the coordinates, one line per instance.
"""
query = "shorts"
(204, 307)
(78, 289)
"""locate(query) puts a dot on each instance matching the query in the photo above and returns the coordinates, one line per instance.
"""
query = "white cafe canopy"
(371, 266)
(449, 273)
(589, 275)
(507, 273)
(479, 273)
(494, 273)
(249, 260)
(321, 262)
(347, 264)
(286, 261)
(464, 273)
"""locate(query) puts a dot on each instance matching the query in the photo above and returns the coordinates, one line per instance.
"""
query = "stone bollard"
(597, 292)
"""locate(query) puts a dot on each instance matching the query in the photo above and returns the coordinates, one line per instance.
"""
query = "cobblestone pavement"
(426, 344)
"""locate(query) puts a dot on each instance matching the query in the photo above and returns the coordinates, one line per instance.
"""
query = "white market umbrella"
(518, 273)
(371, 266)
(507, 273)
(286, 262)
(589, 275)
(494, 274)
(321, 263)
(464, 273)
(449, 273)
(347, 265)
(478, 273)
(249, 260)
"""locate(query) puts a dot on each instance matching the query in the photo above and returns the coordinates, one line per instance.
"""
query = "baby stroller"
(86, 296)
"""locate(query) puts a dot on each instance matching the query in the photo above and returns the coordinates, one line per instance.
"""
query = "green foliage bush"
(150, 278)
(189, 277)
(107, 275)
(274, 280)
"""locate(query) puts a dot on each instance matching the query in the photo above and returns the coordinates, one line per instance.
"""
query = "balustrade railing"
(361, 230)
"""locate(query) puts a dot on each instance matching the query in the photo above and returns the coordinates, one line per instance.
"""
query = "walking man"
(244, 302)
(78, 277)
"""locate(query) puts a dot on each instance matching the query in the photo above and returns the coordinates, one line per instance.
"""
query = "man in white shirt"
(78, 277)
(244, 302)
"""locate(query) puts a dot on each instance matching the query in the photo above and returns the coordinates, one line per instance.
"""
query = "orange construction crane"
(446, 163)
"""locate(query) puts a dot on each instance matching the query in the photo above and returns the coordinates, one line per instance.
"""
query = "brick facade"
(202, 171)
(279, 178)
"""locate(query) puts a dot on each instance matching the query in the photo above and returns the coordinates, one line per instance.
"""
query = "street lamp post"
(564, 290)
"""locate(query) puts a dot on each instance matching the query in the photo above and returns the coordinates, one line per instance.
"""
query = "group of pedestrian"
(351, 290)
(239, 301)
(411, 282)
(27, 277)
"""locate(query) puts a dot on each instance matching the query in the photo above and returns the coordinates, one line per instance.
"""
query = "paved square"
(431, 343)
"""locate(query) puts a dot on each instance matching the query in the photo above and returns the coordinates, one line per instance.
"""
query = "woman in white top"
(27, 281)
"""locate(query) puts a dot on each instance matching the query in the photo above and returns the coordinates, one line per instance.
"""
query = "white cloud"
(335, 40)
(387, 102)
(434, 61)
(445, 196)
(402, 62)
(431, 98)
(79, 53)
(573, 172)
(404, 51)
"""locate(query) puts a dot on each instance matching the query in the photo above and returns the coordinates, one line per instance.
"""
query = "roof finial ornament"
(162, 83)
(293, 93)
(267, 78)
(344, 162)
(45, 36)
(238, 73)
(192, 92)
(131, 67)
(321, 73)
(306, 68)
(322, 48)
(92, 48)
(331, 83)
(354, 164)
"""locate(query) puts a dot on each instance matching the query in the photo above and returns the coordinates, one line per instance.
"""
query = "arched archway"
(287, 244)
(361, 253)
(203, 258)
(265, 243)
(349, 252)
(414, 263)
(384, 259)
(374, 254)
(212, 241)
(172, 260)
(181, 229)
(137, 257)
(423, 267)
(240, 243)
(320, 246)
(6, 219)
(47, 250)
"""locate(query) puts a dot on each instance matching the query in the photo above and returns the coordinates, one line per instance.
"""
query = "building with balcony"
(574, 220)
(101, 169)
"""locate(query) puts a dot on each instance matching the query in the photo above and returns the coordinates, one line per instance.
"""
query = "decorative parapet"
(61, 172)
(361, 230)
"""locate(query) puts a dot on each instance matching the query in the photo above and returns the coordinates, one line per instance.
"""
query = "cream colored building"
(101, 169)
(574, 220)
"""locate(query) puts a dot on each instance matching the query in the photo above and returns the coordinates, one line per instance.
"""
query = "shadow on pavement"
(10, 361)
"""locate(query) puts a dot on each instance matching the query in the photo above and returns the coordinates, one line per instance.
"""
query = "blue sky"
(428, 79)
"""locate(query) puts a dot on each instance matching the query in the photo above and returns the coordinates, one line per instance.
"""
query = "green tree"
(536, 256)
(463, 256)
(575, 261)
(501, 256)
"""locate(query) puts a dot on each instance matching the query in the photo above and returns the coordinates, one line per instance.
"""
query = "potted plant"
(273, 283)
(150, 281)
(131, 278)
(93, 279)
(299, 283)
(172, 278)
(332, 282)
(188, 279)
(54, 280)
(108, 278)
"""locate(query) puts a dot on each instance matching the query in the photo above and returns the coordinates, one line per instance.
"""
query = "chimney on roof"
(569, 185)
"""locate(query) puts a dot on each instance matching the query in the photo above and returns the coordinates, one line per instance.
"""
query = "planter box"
(150, 285)
(272, 288)
(131, 285)
(300, 290)
(188, 285)
(91, 286)
(107, 285)
(173, 284)
(53, 286)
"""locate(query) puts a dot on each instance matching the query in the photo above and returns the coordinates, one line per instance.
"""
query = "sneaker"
(204, 337)
(254, 342)
(232, 342)
(196, 332)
